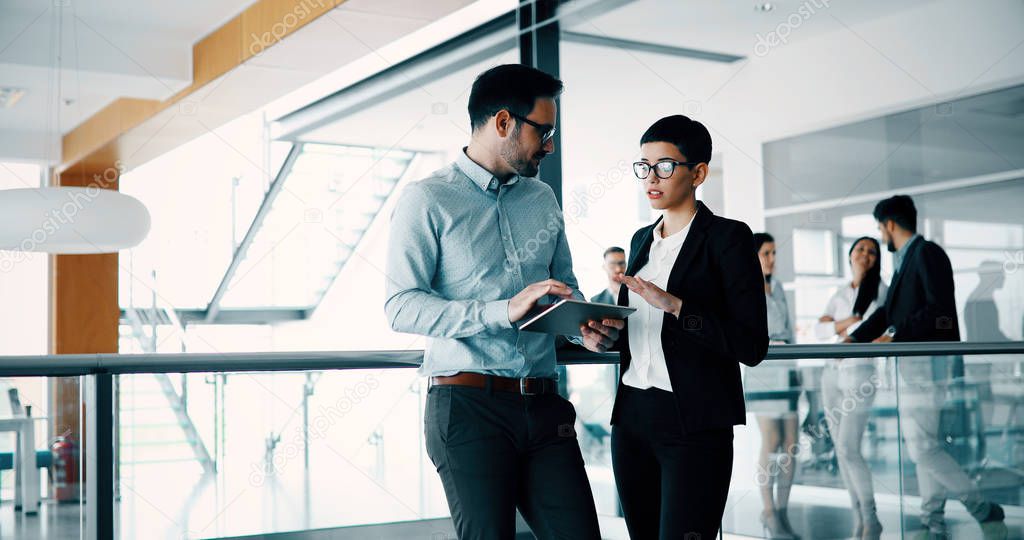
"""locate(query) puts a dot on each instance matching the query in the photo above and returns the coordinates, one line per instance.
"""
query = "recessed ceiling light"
(9, 96)
(764, 7)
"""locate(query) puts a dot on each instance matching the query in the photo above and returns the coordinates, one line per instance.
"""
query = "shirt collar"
(674, 241)
(902, 252)
(479, 175)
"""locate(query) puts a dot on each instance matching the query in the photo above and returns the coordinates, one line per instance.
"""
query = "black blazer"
(920, 301)
(723, 320)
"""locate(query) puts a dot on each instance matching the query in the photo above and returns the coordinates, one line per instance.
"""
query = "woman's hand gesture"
(653, 294)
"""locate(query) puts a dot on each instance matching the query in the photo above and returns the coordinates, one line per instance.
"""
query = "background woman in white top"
(848, 385)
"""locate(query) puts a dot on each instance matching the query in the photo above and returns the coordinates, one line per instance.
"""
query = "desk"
(26, 475)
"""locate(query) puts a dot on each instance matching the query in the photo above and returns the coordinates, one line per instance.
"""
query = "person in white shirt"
(848, 385)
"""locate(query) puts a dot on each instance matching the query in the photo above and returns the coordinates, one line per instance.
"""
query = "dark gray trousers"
(498, 451)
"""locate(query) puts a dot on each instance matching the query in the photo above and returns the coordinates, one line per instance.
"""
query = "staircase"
(154, 423)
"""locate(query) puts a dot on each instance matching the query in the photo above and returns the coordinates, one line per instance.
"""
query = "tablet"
(565, 317)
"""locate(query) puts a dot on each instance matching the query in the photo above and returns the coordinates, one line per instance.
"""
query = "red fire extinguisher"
(65, 468)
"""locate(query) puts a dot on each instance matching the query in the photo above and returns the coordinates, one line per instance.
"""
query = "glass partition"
(290, 451)
(896, 445)
(877, 440)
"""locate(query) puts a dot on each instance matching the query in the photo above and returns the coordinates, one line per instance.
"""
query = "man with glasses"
(473, 248)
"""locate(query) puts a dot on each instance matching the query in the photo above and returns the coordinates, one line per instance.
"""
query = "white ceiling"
(119, 48)
(733, 26)
(409, 121)
(317, 54)
(107, 49)
(431, 118)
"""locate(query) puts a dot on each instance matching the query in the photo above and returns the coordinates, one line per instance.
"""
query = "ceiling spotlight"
(765, 7)
(9, 96)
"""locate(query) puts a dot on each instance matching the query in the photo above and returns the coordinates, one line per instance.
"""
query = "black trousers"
(498, 451)
(672, 485)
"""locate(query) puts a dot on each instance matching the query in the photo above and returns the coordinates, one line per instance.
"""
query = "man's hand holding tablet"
(524, 302)
(601, 335)
(598, 334)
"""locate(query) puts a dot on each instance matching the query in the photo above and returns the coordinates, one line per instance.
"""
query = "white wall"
(928, 54)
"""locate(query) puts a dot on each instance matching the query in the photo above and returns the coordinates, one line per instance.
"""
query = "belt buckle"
(522, 388)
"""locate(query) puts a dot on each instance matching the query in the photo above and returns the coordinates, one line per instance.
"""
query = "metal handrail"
(87, 364)
(103, 367)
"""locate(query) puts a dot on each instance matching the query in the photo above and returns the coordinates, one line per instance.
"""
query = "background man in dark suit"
(920, 307)
(614, 265)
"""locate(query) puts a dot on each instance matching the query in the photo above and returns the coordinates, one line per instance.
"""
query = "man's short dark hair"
(613, 249)
(689, 136)
(512, 87)
(900, 209)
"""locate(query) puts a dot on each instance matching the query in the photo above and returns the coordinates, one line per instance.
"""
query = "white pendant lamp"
(70, 220)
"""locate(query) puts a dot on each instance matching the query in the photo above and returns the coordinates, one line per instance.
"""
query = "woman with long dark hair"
(848, 385)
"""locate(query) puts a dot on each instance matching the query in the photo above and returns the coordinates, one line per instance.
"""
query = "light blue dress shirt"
(461, 245)
(901, 253)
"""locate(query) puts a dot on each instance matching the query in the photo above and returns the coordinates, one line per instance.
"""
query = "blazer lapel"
(688, 252)
(903, 269)
(641, 254)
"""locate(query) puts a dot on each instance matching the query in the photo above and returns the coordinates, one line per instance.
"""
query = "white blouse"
(840, 307)
(647, 367)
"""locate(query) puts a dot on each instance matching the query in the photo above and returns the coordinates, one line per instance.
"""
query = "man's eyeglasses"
(662, 169)
(546, 131)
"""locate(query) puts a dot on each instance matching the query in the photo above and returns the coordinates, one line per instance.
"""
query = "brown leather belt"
(527, 387)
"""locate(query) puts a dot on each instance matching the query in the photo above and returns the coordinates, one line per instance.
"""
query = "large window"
(284, 250)
(23, 318)
(968, 205)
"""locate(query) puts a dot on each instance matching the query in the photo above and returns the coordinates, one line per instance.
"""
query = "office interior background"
(268, 141)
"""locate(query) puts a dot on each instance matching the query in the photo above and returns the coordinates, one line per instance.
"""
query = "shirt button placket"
(506, 240)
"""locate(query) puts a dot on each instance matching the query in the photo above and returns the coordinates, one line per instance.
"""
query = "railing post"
(103, 434)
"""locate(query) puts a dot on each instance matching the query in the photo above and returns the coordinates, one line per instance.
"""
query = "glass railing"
(334, 441)
(897, 446)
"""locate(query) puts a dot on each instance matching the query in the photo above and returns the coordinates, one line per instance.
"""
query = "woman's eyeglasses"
(545, 131)
(662, 169)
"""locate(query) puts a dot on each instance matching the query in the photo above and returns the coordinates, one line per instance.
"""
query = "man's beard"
(521, 163)
(890, 246)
